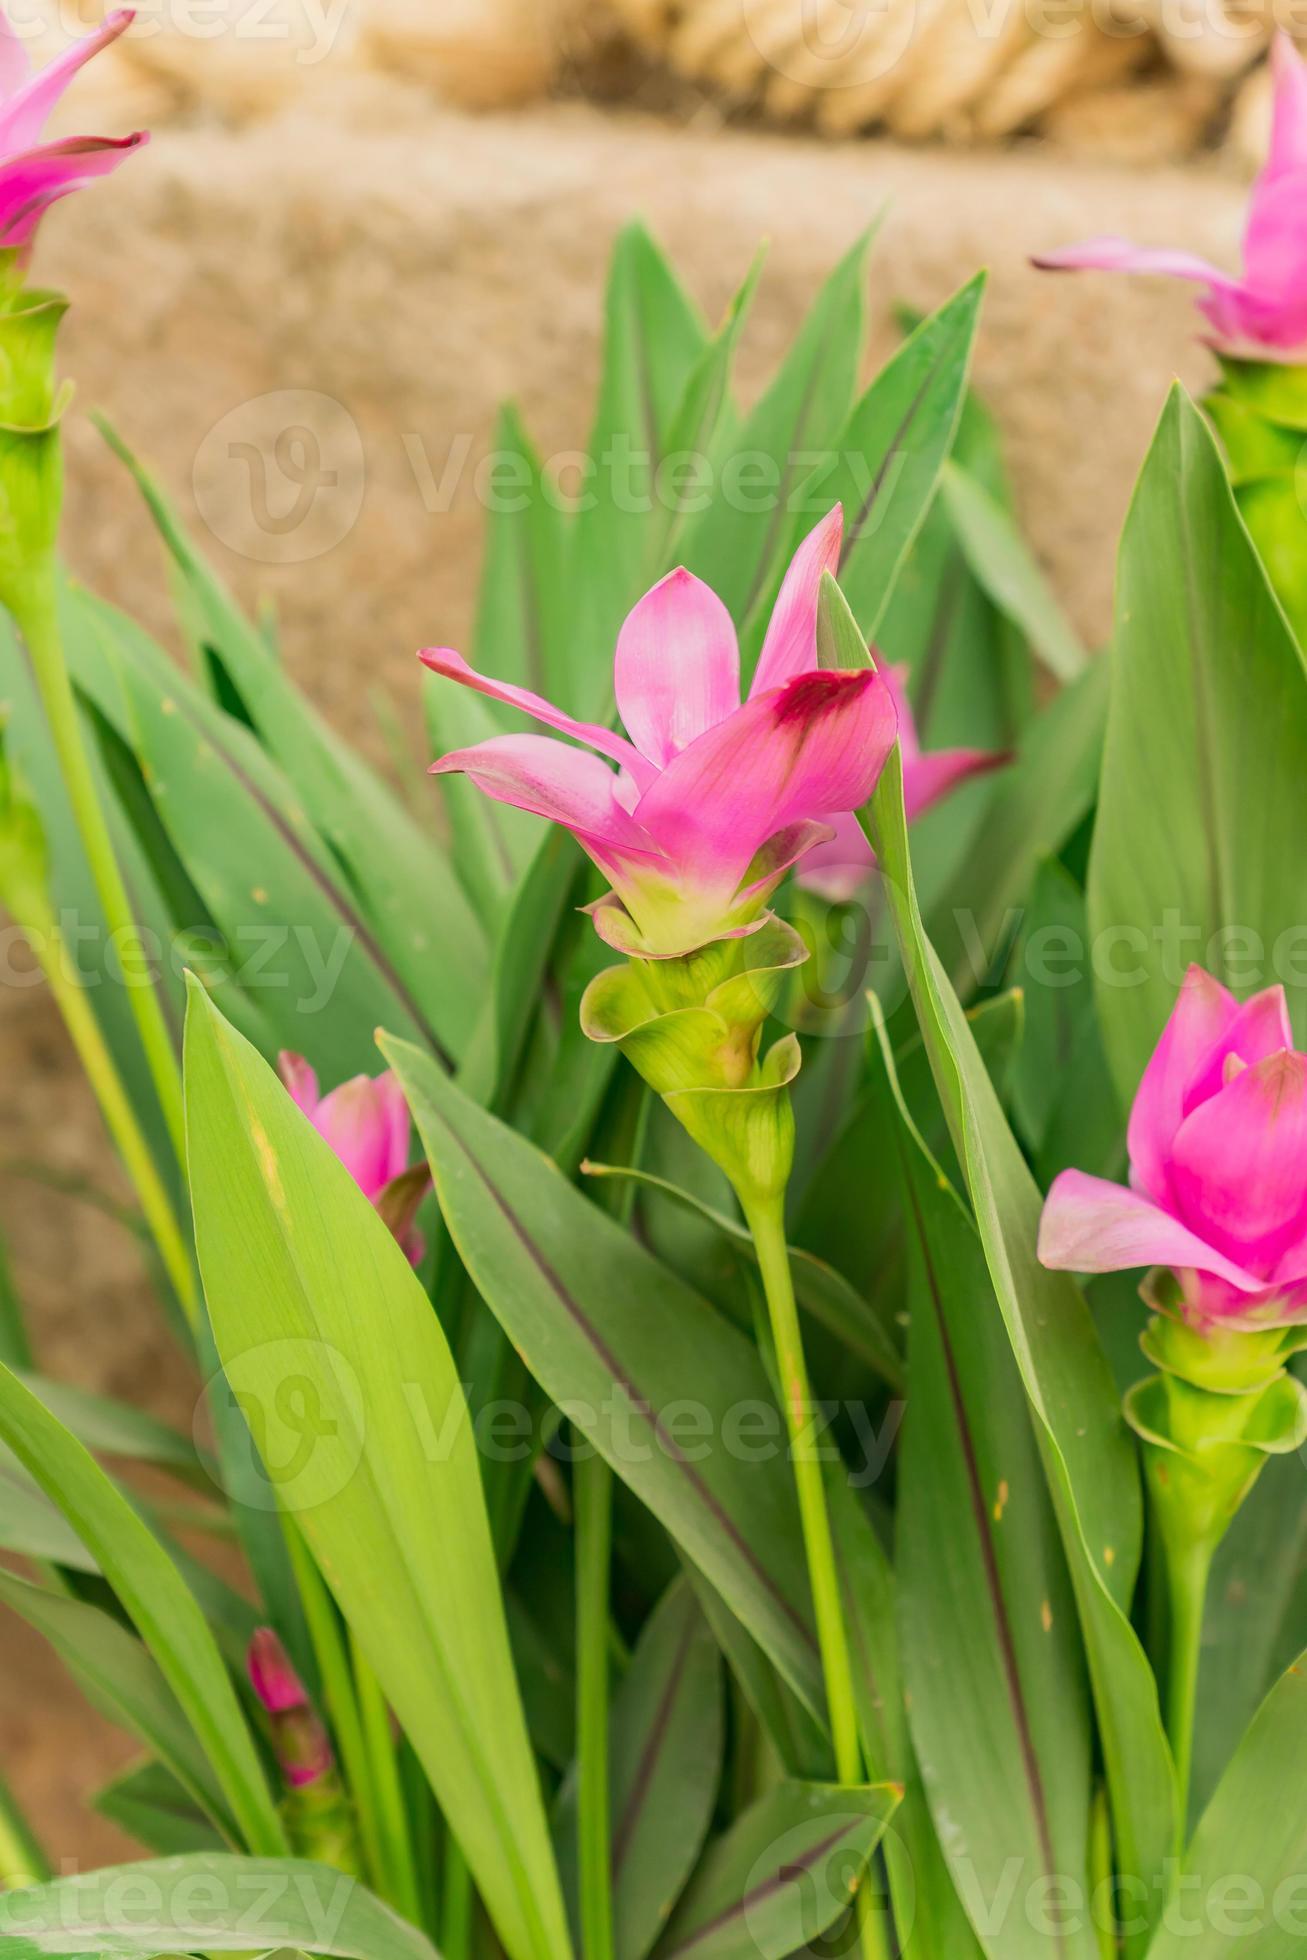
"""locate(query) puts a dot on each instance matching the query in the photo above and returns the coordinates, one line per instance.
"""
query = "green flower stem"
(399, 1886)
(115, 1104)
(592, 1497)
(38, 621)
(1188, 1569)
(22, 1861)
(766, 1221)
(339, 1699)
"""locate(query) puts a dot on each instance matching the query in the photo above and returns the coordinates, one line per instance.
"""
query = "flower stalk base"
(1222, 1402)
(692, 1027)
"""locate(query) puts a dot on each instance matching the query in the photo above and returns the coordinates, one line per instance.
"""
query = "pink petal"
(452, 666)
(677, 668)
(299, 1081)
(565, 785)
(366, 1124)
(1204, 1009)
(23, 116)
(789, 846)
(1256, 1030)
(34, 180)
(1288, 150)
(1238, 1163)
(1112, 254)
(790, 647)
(839, 867)
(1273, 300)
(272, 1676)
(15, 67)
(1091, 1226)
(809, 749)
(928, 779)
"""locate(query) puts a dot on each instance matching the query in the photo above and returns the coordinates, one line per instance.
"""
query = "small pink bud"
(272, 1677)
(301, 1742)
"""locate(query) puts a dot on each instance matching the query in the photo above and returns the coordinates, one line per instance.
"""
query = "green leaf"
(801, 412)
(15, 1348)
(1197, 849)
(117, 1429)
(155, 1597)
(288, 923)
(207, 1902)
(1005, 566)
(1255, 1614)
(1063, 1098)
(783, 1874)
(695, 426)
(522, 608)
(31, 1525)
(991, 1653)
(665, 1745)
(1088, 1456)
(308, 1291)
(150, 1805)
(654, 337)
(121, 1680)
(890, 453)
(1034, 807)
(399, 878)
(1242, 1890)
(617, 1341)
(821, 1291)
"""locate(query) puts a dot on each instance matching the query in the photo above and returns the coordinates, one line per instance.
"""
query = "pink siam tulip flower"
(839, 868)
(710, 801)
(303, 1749)
(1264, 314)
(34, 175)
(1218, 1167)
(366, 1122)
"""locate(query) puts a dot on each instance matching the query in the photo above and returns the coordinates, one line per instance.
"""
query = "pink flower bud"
(1218, 1167)
(366, 1122)
(301, 1742)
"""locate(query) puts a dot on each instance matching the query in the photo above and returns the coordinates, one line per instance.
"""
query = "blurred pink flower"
(366, 1122)
(33, 175)
(710, 802)
(838, 868)
(1218, 1167)
(1263, 314)
(301, 1743)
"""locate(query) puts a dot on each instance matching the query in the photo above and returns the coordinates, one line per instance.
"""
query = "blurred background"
(362, 224)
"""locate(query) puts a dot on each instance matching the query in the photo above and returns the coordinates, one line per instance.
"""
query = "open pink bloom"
(1218, 1167)
(33, 175)
(366, 1122)
(710, 801)
(1264, 314)
(838, 868)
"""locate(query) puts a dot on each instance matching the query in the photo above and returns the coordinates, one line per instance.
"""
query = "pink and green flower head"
(1218, 1167)
(33, 174)
(697, 811)
(366, 1122)
(839, 868)
(1263, 314)
(302, 1746)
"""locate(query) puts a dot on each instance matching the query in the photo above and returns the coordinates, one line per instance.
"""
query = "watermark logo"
(280, 479)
